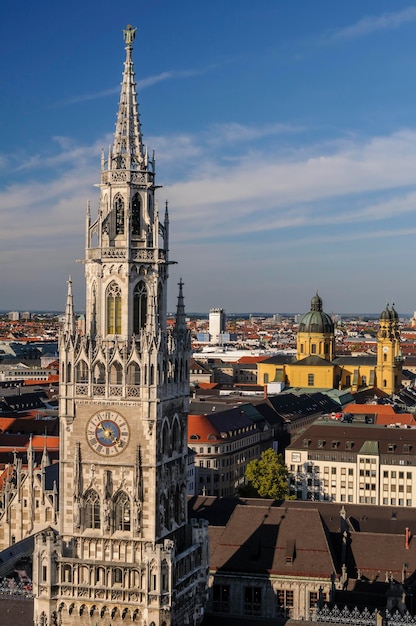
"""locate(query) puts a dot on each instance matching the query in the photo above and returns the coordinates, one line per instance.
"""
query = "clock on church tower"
(123, 531)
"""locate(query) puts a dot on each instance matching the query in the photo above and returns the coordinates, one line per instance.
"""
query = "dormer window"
(306, 443)
(321, 443)
(391, 447)
(349, 445)
(334, 445)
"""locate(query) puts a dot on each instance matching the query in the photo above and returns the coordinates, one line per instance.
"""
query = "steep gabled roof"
(272, 540)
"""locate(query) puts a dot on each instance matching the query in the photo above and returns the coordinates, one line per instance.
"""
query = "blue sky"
(285, 138)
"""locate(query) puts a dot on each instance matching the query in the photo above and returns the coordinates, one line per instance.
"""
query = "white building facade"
(364, 464)
(217, 323)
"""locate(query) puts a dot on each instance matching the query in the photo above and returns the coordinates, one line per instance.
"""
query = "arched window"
(133, 374)
(165, 440)
(160, 302)
(119, 208)
(99, 373)
(135, 214)
(92, 509)
(116, 374)
(176, 437)
(113, 309)
(94, 310)
(139, 307)
(122, 511)
(67, 574)
(81, 372)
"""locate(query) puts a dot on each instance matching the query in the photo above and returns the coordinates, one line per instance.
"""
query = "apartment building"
(354, 463)
(224, 443)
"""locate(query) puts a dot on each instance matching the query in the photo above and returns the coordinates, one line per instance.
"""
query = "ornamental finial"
(129, 34)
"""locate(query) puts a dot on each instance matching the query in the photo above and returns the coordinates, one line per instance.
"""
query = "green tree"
(268, 475)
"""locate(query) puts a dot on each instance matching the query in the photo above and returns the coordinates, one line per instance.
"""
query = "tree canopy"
(268, 475)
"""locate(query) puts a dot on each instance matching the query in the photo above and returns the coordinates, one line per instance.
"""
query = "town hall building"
(123, 550)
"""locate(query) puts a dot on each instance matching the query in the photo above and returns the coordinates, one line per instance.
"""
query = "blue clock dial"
(107, 433)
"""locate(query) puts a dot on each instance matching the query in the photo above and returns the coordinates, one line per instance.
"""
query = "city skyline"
(285, 139)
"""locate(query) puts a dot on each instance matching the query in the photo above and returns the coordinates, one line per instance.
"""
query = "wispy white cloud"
(269, 191)
(371, 24)
(317, 194)
(142, 84)
(233, 133)
(172, 75)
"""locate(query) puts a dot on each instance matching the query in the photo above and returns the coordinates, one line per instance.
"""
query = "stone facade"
(28, 498)
(124, 550)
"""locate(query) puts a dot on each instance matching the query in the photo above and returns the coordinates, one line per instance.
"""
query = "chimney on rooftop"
(408, 536)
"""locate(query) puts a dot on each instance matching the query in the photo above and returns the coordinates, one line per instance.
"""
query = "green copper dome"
(389, 314)
(316, 321)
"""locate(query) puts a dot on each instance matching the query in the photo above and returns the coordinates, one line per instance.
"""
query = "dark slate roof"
(218, 510)
(269, 413)
(52, 476)
(355, 360)
(201, 407)
(25, 401)
(315, 361)
(289, 405)
(280, 359)
(365, 518)
(232, 419)
(351, 438)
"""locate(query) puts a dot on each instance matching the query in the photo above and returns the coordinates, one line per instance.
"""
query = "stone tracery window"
(119, 209)
(139, 307)
(122, 511)
(92, 509)
(133, 374)
(113, 309)
(116, 374)
(81, 372)
(135, 214)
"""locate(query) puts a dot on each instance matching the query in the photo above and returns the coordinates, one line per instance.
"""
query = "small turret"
(69, 324)
(180, 324)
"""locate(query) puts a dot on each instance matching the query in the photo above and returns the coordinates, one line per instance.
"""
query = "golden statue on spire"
(129, 34)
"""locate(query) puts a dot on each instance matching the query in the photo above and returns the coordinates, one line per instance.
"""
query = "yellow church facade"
(316, 365)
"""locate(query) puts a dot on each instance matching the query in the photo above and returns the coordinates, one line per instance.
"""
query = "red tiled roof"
(252, 359)
(52, 378)
(203, 385)
(201, 426)
(384, 414)
(20, 443)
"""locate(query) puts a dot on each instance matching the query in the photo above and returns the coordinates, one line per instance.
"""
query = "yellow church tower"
(316, 333)
(389, 355)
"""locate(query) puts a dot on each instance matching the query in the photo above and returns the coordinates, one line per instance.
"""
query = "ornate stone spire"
(69, 325)
(128, 152)
(180, 309)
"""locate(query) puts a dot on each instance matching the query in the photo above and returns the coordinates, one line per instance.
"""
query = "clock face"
(107, 433)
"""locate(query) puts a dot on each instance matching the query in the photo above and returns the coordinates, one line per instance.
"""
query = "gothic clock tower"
(124, 551)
